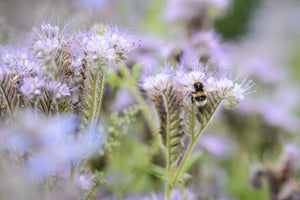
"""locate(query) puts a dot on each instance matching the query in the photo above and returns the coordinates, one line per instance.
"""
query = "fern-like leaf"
(190, 119)
(205, 114)
(46, 102)
(158, 100)
(174, 128)
(92, 101)
(10, 94)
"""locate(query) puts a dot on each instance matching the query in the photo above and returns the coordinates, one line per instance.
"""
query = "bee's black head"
(198, 86)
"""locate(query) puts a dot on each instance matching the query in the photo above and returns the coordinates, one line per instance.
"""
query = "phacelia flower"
(46, 40)
(106, 44)
(32, 86)
(159, 81)
(186, 75)
(19, 61)
(59, 89)
(99, 47)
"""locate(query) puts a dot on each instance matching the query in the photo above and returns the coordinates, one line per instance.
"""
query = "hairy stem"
(92, 190)
(97, 90)
(168, 143)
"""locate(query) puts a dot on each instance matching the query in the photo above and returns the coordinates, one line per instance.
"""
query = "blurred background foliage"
(256, 133)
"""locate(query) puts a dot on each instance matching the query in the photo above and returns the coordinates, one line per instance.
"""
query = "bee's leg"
(192, 99)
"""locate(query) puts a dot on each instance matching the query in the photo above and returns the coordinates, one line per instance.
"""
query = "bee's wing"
(210, 88)
(188, 89)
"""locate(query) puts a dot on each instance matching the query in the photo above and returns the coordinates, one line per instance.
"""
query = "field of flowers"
(149, 100)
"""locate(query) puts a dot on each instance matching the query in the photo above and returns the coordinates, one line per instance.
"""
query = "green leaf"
(135, 71)
(184, 177)
(113, 79)
(124, 72)
(191, 160)
(157, 171)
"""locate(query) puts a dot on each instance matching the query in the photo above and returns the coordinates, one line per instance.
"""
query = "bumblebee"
(198, 96)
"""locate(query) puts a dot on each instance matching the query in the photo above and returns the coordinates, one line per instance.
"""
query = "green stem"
(187, 154)
(46, 187)
(97, 90)
(92, 190)
(168, 139)
(193, 122)
(168, 188)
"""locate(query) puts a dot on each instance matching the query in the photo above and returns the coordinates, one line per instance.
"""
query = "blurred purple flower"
(206, 45)
(291, 151)
(262, 69)
(148, 54)
(50, 143)
(123, 100)
(186, 9)
(273, 110)
(215, 145)
(91, 3)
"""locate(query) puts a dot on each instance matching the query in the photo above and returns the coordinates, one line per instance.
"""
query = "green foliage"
(90, 194)
(236, 21)
(130, 161)
(119, 125)
(153, 18)
(124, 77)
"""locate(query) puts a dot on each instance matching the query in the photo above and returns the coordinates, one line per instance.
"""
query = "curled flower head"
(106, 44)
(235, 94)
(120, 43)
(98, 47)
(46, 41)
(159, 81)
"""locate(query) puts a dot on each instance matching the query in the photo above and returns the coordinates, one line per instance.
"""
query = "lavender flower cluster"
(185, 75)
(59, 78)
(52, 74)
